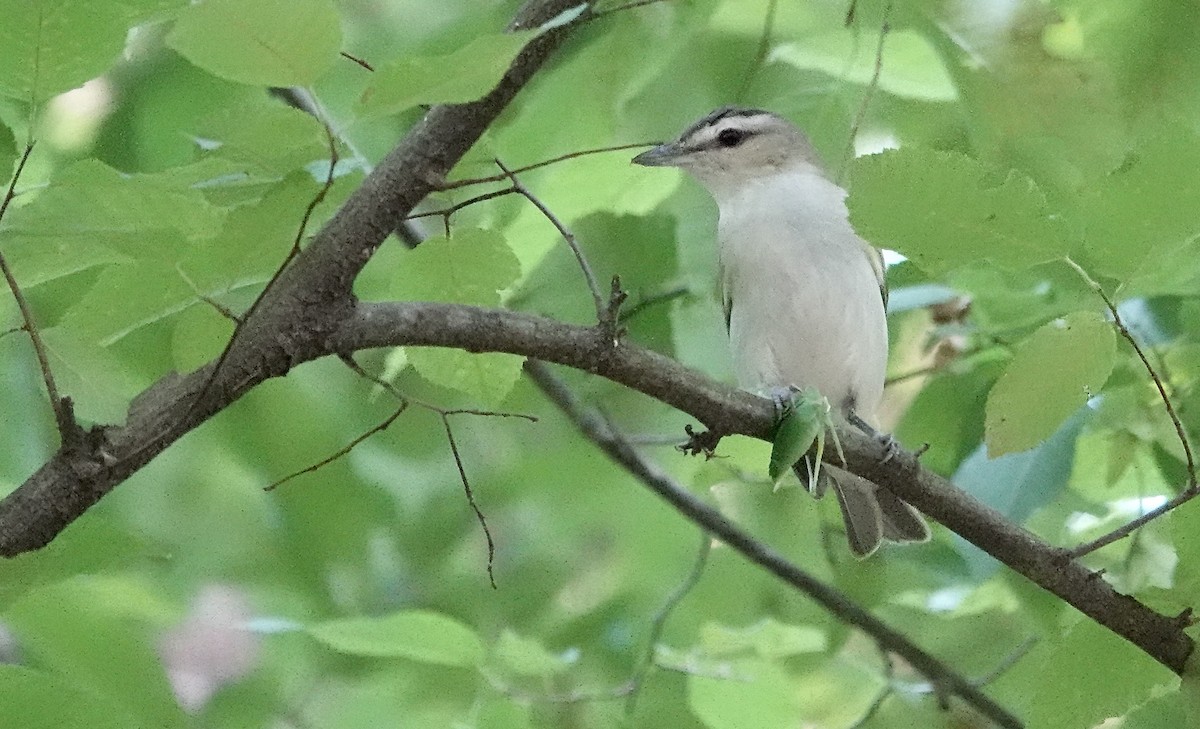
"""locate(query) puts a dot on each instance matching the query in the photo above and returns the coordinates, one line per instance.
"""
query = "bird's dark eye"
(730, 137)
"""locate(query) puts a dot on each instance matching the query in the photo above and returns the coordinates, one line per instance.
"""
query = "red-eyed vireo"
(804, 296)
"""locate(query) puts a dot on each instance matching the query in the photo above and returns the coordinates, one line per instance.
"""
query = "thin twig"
(869, 92)
(358, 369)
(445, 213)
(287, 259)
(1008, 662)
(760, 54)
(357, 60)
(889, 688)
(68, 430)
(660, 620)
(220, 308)
(489, 413)
(544, 163)
(646, 302)
(1192, 489)
(708, 518)
(462, 474)
(382, 426)
(567, 236)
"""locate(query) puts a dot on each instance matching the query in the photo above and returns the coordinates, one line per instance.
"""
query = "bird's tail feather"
(871, 513)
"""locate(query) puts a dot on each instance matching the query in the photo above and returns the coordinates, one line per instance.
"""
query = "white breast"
(805, 306)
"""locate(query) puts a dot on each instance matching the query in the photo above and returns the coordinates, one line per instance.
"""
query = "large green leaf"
(911, 67)
(1054, 372)
(1141, 220)
(91, 215)
(50, 46)
(470, 267)
(463, 75)
(944, 210)
(1096, 675)
(423, 636)
(265, 42)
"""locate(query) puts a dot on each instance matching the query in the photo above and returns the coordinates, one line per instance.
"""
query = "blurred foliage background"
(1018, 134)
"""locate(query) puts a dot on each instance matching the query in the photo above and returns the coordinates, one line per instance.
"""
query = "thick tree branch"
(64, 488)
(312, 313)
(293, 322)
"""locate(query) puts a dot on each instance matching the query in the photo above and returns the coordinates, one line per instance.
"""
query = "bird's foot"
(782, 396)
(700, 443)
(891, 447)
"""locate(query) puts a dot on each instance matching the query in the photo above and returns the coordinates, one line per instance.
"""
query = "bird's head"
(734, 145)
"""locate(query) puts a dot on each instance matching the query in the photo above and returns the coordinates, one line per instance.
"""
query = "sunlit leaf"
(470, 267)
(266, 42)
(423, 636)
(944, 210)
(464, 75)
(43, 50)
(1053, 373)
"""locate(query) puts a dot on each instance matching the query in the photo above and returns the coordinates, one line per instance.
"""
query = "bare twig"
(869, 92)
(487, 413)
(1192, 489)
(544, 163)
(567, 235)
(220, 308)
(889, 688)
(274, 280)
(660, 620)
(357, 60)
(383, 425)
(711, 520)
(69, 431)
(646, 302)
(760, 54)
(462, 474)
(445, 213)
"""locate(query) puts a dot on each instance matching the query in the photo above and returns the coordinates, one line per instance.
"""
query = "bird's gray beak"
(664, 155)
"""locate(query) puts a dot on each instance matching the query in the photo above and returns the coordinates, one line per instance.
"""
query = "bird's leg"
(782, 397)
(890, 446)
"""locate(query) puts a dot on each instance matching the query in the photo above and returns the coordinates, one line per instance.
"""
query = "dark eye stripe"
(725, 112)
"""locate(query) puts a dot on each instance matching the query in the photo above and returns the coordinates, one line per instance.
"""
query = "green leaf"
(1139, 221)
(1054, 372)
(464, 75)
(51, 46)
(1096, 675)
(762, 690)
(83, 630)
(91, 215)
(944, 210)
(265, 42)
(768, 638)
(911, 67)
(100, 385)
(248, 135)
(419, 635)
(37, 700)
(526, 656)
(471, 267)
(1164, 712)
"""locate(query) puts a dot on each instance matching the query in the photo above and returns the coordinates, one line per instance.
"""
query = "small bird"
(804, 296)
